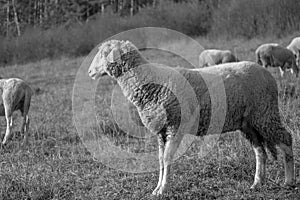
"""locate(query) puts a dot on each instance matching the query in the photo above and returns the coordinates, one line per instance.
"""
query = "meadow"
(57, 165)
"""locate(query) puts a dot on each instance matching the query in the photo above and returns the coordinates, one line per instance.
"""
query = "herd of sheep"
(271, 54)
(251, 99)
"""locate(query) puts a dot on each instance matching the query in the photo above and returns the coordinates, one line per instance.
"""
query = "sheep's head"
(109, 59)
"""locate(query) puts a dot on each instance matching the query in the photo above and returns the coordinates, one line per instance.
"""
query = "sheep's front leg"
(161, 148)
(288, 164)
(260, 173)
(9, 123)
(172, 143)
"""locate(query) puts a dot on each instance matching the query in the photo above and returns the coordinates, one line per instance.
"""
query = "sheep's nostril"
(90, 71)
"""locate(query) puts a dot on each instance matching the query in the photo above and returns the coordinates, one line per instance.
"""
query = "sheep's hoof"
(159, 190)
(255, 186)
(2, 145)
(25, 143)
(155, 191)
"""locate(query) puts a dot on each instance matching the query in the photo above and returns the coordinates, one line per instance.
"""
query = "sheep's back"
(14, 90)
(228, 57)
(211, 57)
(282, 53)
(265, 49)
(295, 44)
(248, 87)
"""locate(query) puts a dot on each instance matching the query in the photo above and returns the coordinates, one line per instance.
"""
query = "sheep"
(16, 95)
(214, 57)
(274, 55)
(251, 95)
(294, 46)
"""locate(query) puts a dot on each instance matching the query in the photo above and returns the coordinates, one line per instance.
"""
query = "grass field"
(56, 164)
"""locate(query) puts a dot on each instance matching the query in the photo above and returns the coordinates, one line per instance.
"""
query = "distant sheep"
(274, 55)
(214, 57)
(252, 104)
(16, 95)
(294, 46)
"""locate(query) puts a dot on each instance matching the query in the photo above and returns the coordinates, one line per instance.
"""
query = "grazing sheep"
(16, 95)
(294, 46)
(274, 55)
(214, 57)
(251, 94)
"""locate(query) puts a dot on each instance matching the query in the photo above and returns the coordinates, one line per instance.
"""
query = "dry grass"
(56, 165)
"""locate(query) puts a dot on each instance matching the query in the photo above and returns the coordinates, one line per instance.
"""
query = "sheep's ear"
(129, 45)
(114, 55)
(127, 42)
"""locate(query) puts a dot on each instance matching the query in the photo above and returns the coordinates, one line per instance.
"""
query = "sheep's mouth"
(97, 75)
(94, 76)
(103, 74)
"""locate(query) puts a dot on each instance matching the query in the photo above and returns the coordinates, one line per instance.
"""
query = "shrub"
(256, 18)
(191, 18)
(229, 18)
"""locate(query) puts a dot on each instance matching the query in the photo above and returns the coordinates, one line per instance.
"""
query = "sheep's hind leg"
(26, 121)
(161, 147)
(257, 144)
(286, 146)
(9, 123)
(24, 128)
(279, 135)
(260, 172)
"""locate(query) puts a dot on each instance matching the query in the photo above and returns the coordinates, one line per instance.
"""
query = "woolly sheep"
(274, 55)
(16, 95)
(294, 46)
(214, 57)
(252, 104)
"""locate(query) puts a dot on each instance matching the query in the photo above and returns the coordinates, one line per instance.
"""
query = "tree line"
(17, 15)
(31, 30)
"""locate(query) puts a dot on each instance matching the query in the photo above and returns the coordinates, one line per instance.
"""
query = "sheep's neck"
(134, 79)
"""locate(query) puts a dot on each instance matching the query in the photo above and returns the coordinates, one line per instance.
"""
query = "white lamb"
(251, 94)
(274, 55)
(294, 46)
(16, 95)
(215, 56)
